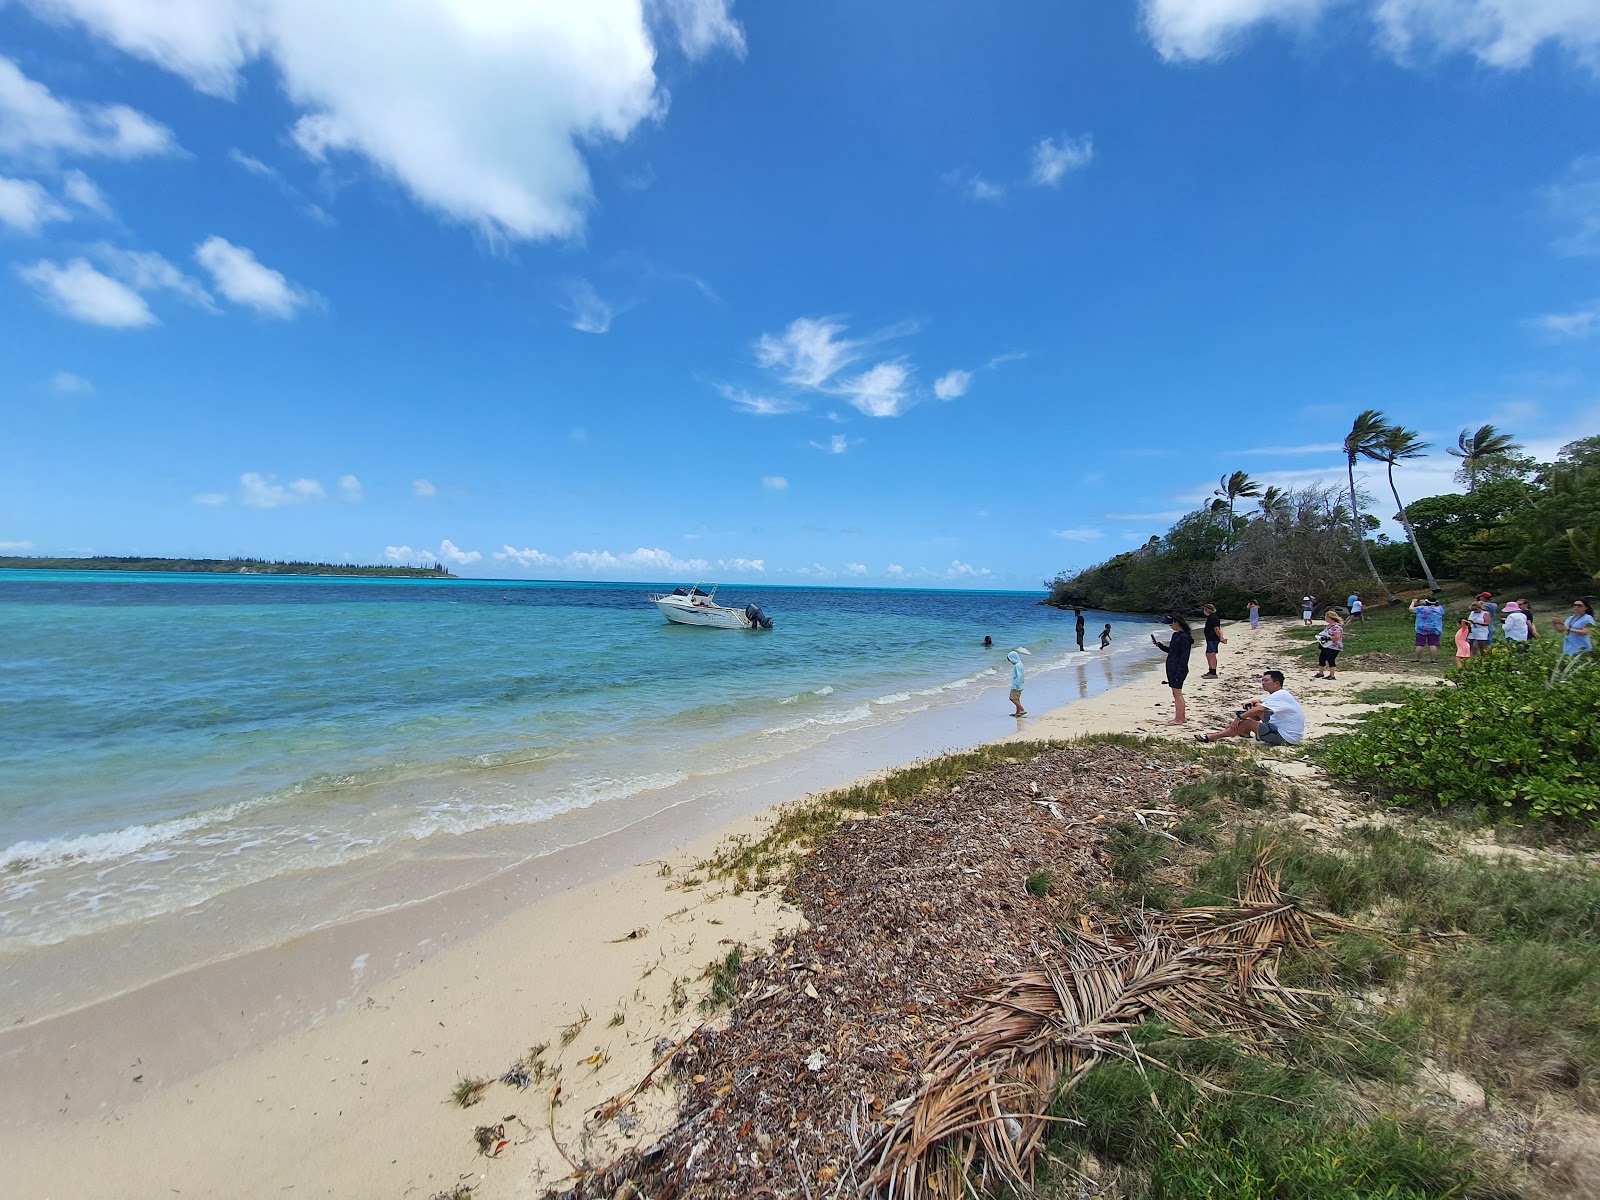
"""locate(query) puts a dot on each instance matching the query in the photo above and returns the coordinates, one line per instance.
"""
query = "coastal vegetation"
(1515, 523)
(217, 566)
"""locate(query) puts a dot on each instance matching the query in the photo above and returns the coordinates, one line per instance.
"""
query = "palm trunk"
(1411, 535)
(1361, 534)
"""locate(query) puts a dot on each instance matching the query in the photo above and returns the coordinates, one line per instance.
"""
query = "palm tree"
(1396, 445)
(1475, 450)
(1274, 503)
(1365, 433)
(1229, 489)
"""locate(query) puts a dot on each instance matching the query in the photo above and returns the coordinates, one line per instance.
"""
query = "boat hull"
(712, 616)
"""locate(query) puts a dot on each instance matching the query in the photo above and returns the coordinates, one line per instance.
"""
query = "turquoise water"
(173, 739)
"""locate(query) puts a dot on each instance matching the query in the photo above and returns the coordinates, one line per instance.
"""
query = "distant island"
(215, 566)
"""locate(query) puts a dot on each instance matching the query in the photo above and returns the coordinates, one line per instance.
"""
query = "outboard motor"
(757, 618)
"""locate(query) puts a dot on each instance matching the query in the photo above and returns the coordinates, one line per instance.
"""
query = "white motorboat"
(697, 606)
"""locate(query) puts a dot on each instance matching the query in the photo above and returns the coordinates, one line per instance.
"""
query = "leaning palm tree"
(1396, 445)
(1229, 489)
(1477, 449)
(1365, 433)
(1274, 503)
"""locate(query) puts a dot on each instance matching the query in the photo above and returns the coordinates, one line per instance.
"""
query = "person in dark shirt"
(1079, 612)
(1177, 648)
(1214, 638)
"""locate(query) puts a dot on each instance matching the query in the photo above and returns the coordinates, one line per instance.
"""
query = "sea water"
(173, 744)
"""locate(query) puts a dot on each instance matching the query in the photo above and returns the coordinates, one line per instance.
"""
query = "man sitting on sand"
(1275, 720)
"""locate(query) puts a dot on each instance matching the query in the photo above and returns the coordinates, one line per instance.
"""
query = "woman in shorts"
(1479, 620)
(1329, 642)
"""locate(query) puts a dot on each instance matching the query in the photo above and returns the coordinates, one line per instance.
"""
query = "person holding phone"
(1177, 648)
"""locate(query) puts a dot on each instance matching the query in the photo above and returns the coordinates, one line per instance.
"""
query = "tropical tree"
(1478, 449)
(1229, 489)
(1366, 432)
(1274, 504)
(1396, 445)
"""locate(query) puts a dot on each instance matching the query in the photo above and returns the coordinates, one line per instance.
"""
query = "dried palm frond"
(982, 1111)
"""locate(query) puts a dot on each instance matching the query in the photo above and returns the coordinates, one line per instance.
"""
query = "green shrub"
(1503, 735)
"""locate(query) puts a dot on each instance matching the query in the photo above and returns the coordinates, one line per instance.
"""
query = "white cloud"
(894, 569)
(742, 566)
(961, 570)
(1205, 29)
(1054, 158)
(449, 553)
(952, 384)
(1577, 326)
(1279, 451)
(34, 124)
(15, 547)
(656, 563)
(350, 489)
(478, 108)
(79, 291)
(423, 490)
(1076, 535)
(404, 554)
(590, 314)
(65, 383)
(1498, 33)
(761, 406)
(1171, 515)
(775, 483)
(85, 193)
(855, 568)
(703, 26)
(25, 205)
(975, 187)
(880, 391)
(275, 177)
(264, 491)
(837, 444)
(237, 274)
(211, 499)
(525, 558)
(147, 271)
(809, 353)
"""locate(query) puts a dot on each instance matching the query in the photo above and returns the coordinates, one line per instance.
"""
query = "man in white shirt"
(1274, 720)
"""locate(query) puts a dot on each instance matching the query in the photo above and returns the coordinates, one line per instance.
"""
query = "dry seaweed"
(910, 917)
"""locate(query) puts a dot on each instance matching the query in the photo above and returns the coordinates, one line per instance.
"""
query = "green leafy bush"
(1502, 736)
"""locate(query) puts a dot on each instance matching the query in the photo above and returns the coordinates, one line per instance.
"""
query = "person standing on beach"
(1016, 683)
(1308, 605)
(1079, 613)
(1329, 642)
(1275, 720)
(1579, 628)
(1177, 648)
(1430, 626)
(1105, 636)
(1214, 638)
(1357, 609)
(1255, 615)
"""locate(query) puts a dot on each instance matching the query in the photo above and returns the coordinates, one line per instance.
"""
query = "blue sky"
(833, 293)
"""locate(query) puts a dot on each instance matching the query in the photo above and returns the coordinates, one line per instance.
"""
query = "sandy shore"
(359, 1104)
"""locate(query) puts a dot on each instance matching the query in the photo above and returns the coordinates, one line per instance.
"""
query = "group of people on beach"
(1275, 719)
(1018, 674)
(1476, 628)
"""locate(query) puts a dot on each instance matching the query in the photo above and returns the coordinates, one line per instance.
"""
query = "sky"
(900, 293)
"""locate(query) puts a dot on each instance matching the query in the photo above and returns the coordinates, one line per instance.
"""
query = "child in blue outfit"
(1016, 684)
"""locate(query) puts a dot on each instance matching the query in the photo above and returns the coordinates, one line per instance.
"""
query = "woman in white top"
(1478, 633)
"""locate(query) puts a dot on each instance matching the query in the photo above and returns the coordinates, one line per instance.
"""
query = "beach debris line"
(910, 917)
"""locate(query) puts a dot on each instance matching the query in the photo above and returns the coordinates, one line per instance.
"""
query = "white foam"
(893, 698)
